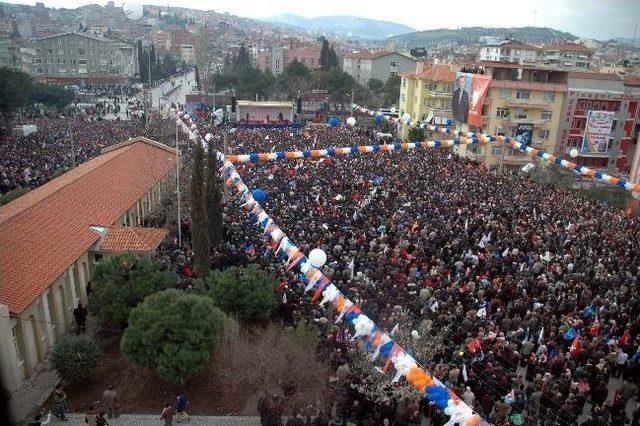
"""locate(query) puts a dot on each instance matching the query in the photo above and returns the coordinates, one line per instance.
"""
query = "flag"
(434, 306)
(474, 345)
(570, 334)
(576, 346)
(464, 372)
(284, 298)
(394, 329)
(251, 250)
(352, 266)
(541, 335)
(506, 252)
(466, 224)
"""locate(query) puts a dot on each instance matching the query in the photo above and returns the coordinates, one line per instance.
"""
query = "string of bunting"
(370, 337)
(533, 152)
(346, 150)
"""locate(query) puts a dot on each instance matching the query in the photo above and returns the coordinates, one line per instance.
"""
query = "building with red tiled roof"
(128, 238)
(510, 51)
(364, 65)
(48, 248)
(568, 56)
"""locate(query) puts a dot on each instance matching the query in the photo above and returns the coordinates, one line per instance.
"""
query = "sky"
(599, 19)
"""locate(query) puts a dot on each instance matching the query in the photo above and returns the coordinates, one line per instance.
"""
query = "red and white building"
(601, 92)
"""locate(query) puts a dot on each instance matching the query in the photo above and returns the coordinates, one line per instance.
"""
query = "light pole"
(504, 147)
(178, 188)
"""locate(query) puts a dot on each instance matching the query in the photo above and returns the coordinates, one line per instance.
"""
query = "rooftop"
(124, 238)
(568, 47)
(595, 76)
(366, 54)
(432, 72)
(43, 232)
(514, 44)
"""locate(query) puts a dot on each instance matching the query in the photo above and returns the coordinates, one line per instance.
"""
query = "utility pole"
(149, 99)
(178, 188)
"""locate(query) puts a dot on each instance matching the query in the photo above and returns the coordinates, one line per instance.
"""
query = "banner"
(524, 133)
(468, 96)
(597, 131)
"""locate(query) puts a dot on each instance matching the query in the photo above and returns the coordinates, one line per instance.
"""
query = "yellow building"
(426, 93)
(520, 98)
(52, 237)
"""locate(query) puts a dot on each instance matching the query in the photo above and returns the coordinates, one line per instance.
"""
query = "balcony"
(536, 122)
(524, 103)
(435, 94)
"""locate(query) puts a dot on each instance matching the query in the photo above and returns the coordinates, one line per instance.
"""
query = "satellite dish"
(132, 10)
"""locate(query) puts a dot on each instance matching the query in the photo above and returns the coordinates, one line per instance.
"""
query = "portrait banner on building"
(524, 133)
(468, 96)
(597, 131)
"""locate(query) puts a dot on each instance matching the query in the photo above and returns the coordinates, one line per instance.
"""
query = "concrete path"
(146, 419)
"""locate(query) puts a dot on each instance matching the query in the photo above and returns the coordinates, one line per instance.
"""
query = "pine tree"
(242, 59)
(324, 54)
(213, 198)
(199, 236)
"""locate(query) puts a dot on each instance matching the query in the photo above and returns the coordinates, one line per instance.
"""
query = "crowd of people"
(525, 296)
(62, 141)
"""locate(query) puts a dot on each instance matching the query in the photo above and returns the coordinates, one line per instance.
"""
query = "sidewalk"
(148, 419)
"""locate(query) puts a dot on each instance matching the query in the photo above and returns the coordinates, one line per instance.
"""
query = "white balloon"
(193, 126)
(573, 153)
(406, 117)
(317, 257)
(208, 137)
(393, 110)
(414, 334)
(351, 121)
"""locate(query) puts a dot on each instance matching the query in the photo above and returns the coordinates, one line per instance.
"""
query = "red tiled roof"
(43, 232)
(366, 54)
(125, 238)
(568, 47)
(437, 73)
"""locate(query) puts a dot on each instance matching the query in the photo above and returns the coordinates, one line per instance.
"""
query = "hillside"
(343, 26)
(432, 38)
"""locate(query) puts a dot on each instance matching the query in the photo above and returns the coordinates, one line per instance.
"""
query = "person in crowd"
(80, 314)
(110, 401)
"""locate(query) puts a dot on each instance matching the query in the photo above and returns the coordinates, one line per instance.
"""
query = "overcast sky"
(586, 18)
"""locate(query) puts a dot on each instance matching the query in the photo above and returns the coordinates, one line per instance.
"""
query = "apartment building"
(426, 93)
(365, 65)
(568, 56)
(511, 51)
(521, 99)
(277, 57)
(619, 99)
(75, 58)
(16, 56)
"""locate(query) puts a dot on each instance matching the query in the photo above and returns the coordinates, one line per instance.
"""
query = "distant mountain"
(432, 38)
(343, 26)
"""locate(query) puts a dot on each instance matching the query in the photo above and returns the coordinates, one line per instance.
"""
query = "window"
(521, 113)
(304, 60)
(549, 96)
(546, 115)
(544, 134)
(37, 60)
(61, 61)
(62, 71)
(496, 150)
(393, 64)
(392, 73)
(103, 63)
(59, 41)
(502, 113)
(447, 88)
(49, 60)
(82, 51)
(432, 86)
(404, 82)
(60, 51)
(505, 93)
(523, 94)
(82, 62)
(82, 70)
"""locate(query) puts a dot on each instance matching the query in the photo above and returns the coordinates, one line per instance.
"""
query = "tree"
(15, 91)
(416, 134)
(244, 292)
(242, 58)
(199, 235)
(391, 90)
(51, 96)
(295, 79)
(172, 333)
(213, 198)
(304, 335)
(375, 86)
(121, 282)
(328, 57)
(75, 359)
(340, 85)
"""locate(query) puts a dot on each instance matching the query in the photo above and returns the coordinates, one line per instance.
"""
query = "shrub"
(173, 333)
(246, 293)
(75, 359)
(121, 282)
(304, 335)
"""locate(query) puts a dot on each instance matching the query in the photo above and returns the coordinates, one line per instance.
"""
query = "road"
(164, 94)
